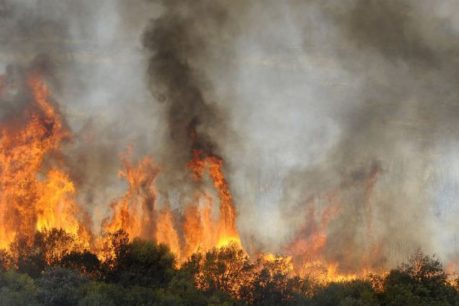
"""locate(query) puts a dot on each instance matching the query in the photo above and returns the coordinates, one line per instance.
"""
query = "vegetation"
(54, 270)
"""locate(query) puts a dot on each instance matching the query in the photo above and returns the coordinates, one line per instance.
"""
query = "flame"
(134, 212)
(325, 273)
(38, 194)
(227, 241)
(226, 231)
(198, 226)
(166, 231)
(308, 249)
(312, 238)
(137, 211)
(34, 196)
(198, 230)
(277, 264)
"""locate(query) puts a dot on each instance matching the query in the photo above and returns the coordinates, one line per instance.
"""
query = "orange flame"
(37, 193)
(166, 231)
(134, 212)
(227, 231)
(137, 213)
(32, 196)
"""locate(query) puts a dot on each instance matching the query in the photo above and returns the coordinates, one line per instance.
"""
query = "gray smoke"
(340, 87)
(94, 63)
(312, 104)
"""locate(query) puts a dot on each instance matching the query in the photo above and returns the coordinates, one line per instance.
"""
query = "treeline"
(54, 270)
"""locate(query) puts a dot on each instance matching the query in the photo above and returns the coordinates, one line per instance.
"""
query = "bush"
(144, 263)
(17, 289)
(60, 287)
(355, 293)
(420, 281)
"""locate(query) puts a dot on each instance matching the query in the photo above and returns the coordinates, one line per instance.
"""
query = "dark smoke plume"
(180, 41)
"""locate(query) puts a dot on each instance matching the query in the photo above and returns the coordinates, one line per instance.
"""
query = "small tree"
(113, 246)
(17, 289)
(45, 249)
(352, 293)
(420, 281)
(55, 244)
(273, 283)
(29, 257)
(143, 263)
(85, 263)
(60, 287)
(221, 269)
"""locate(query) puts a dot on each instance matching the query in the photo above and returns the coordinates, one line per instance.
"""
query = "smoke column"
(180, 42)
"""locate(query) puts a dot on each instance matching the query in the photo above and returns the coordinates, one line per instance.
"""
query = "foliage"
(60, 287)
(99, 293)
(17, 289)
(143, 263)
(420, 281)
(6, 261)
(229, 270)
(114, 247)
(46, 249)
(355, 293)
(30, 258)
(225, 270)
(273, 284)
(84, 262)
(53, 270)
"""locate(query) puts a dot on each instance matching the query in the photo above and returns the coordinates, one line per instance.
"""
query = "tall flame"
(37, 194)
(166, 232)
(34, 196)
(137, 212)
(227, 231)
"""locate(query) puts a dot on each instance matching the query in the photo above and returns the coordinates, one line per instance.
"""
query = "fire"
(38, 194)
(325, 273)
(226, 228)
(277, 263)
(198, 225)
(166, 231)
(134, 212)
(227, 241)
(308, 249)
(312, 238)
(35, 192)
(139, 214)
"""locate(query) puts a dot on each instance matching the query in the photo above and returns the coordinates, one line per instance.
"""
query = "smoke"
(402, 51)
(334, 91)
(346, 104)
(95, 65)
(181, 42)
